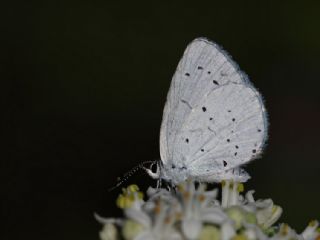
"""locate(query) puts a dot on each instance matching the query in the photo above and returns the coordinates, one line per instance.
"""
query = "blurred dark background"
(83, 85)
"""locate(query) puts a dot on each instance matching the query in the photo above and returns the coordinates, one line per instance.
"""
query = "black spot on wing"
(186, 102)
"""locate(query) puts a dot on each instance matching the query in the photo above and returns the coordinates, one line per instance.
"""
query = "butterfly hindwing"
(227, 129)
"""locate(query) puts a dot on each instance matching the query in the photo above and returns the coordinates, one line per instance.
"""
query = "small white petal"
(310, 233)
(103, 220)
(109, 232)
(225, 194)
(191, 228)
(173, 236)
(227, 231)
(249, 196)
(264, 203)
(138, 216)
(253, 232)
(275, 215)
(213, 215)
(145, 236)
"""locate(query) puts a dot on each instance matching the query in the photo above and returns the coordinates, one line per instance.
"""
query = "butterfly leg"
(159, 183)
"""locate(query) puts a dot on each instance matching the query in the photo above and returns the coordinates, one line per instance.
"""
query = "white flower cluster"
(190, 212)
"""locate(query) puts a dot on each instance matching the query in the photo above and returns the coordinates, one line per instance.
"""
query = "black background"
(83, 85)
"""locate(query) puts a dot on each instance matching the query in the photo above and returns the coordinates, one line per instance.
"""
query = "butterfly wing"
(234, 174)
(203, 68)
(226, 129)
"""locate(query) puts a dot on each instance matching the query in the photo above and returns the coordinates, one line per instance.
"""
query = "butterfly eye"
(153, 167)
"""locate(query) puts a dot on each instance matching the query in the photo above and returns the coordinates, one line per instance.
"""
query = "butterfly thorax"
(174, 172)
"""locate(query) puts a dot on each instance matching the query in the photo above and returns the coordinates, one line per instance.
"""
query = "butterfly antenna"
(128, 174)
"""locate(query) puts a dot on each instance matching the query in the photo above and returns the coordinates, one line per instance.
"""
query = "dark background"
(83, 85)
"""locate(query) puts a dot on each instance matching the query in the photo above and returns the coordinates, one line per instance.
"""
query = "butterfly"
(214, 120)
